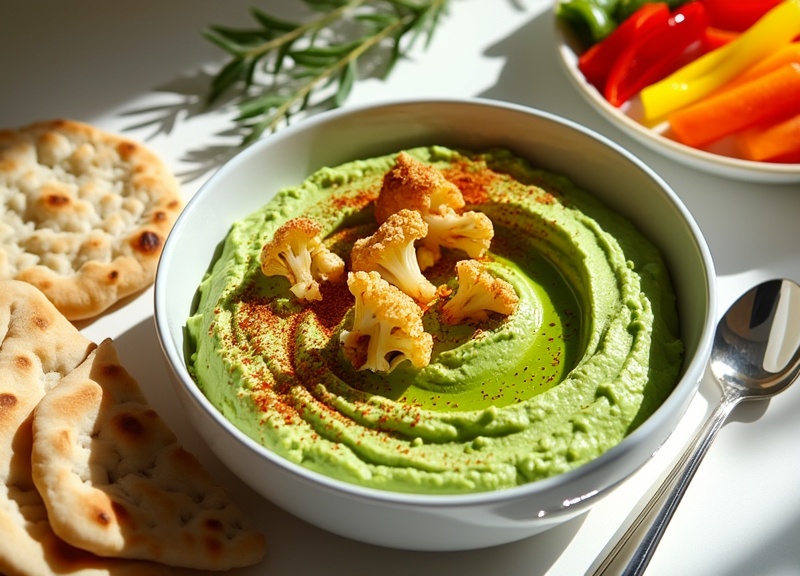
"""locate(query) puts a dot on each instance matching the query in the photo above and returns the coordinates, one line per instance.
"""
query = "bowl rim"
(681, 395)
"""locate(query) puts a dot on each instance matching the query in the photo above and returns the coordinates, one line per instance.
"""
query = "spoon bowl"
(755, 349)
(755, 355)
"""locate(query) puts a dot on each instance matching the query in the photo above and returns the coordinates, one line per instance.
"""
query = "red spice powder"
(336, 301)
(547, 199)
(357, 202)
(474, 184)
(256, 313)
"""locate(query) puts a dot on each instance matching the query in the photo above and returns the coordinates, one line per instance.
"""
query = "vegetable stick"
(716, 38)
(793, 158)
(777, 141)
(772, 97)
(655, 53)
(737, 15)
(785, 55)
(705, 75)
(597, 61)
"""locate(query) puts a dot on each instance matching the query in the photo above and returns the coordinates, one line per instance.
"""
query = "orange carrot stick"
(767, 99)
(785, 55)
(776, 141)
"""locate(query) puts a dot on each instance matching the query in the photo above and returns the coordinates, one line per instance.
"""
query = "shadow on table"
(530, 557)
(185, 100)
(187, 97)
(532, 74)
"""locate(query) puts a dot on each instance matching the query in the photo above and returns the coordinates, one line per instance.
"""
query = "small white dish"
(624, 118)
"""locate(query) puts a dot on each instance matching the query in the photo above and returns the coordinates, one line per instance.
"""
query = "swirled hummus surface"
(589, 353)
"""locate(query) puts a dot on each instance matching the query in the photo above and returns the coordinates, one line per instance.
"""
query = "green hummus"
(590, 352)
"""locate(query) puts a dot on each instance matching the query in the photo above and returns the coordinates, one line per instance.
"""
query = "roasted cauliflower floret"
(296, 252)
(478, 294)
(414, 185)
(417, 186)
(387, 326)
(390, 252)
(471, 232)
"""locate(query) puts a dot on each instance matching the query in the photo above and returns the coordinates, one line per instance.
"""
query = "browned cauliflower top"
(413, 184)
(387, 326)
(296, 252)
(390, 251)
(478, 294)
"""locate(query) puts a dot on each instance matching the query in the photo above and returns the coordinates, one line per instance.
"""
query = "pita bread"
(38, 346)
(86, 213)
(116, 482)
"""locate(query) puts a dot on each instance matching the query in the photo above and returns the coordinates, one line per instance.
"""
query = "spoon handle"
(639, 544)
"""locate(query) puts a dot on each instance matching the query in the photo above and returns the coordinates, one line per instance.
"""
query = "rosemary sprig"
(281, 68)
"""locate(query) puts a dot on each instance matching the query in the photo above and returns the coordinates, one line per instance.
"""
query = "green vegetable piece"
(590, 21)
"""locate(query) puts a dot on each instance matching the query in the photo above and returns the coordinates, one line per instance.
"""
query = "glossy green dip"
(591, 351)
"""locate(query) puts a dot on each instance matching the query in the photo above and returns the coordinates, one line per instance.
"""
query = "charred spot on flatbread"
(86, 213)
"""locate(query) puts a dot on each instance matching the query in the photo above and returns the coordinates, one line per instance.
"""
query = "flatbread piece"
(38, 346)
(116, 481)
(85, 213)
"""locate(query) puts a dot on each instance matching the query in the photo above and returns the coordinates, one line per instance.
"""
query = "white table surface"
(141, 69)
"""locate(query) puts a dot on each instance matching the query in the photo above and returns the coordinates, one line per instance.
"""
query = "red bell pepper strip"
(713, 70)
(791, 158)
(717, 37)
(595, 64)
(655, 55)
(737, 15)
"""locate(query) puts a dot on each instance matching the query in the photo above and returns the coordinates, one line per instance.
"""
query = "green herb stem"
(302, 94)
(297, 74)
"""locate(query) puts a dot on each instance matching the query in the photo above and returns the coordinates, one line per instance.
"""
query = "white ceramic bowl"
(425, 522)
(725, 163)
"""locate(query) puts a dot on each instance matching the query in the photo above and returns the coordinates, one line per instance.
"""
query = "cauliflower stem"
(390, 252)
(297, 253)
(387, 326)
(478, 294)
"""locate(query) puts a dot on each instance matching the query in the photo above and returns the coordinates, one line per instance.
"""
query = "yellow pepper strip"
(785, 55)
(699, 78)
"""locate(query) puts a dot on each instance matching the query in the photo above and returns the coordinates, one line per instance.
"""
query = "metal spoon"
(756, 354)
